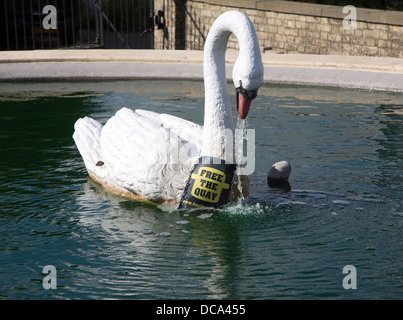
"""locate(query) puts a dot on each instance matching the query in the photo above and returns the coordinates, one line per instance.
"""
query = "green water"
(344, 207)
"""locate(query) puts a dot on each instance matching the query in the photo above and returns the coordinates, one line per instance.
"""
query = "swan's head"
(244, 100)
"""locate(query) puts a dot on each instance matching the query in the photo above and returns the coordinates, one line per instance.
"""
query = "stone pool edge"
(369, 73)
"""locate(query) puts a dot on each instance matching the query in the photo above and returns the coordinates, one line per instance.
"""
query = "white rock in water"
(280, 171)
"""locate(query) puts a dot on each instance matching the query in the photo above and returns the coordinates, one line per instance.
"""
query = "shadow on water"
(170, 252)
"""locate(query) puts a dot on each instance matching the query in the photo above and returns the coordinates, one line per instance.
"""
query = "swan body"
(146, 155)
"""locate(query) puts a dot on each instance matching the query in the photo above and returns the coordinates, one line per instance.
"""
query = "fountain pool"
(344, 207)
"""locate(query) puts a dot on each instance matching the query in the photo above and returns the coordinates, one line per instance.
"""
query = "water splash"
(243, 208)
(241, 127)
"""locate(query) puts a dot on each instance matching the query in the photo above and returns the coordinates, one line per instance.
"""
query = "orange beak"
(243, 106)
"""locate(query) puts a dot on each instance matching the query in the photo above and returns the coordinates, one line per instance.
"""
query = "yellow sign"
(208, 184)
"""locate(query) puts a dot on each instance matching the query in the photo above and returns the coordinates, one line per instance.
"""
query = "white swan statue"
(146, 155)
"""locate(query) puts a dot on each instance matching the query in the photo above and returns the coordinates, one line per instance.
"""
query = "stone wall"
(287, 27)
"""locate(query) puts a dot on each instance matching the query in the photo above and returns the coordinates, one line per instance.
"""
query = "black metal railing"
(126, 23)
(53, 24)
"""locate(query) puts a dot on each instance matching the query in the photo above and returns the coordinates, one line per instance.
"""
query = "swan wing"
(87, 132)
(186, 130)
(143, 156)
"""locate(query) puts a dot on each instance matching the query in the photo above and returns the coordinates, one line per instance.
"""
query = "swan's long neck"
(218, 122)
(217, 109)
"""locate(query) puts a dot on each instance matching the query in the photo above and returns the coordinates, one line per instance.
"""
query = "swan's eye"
(252, 94)
(246, 94)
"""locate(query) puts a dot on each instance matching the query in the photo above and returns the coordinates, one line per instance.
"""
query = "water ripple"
(343, 207)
